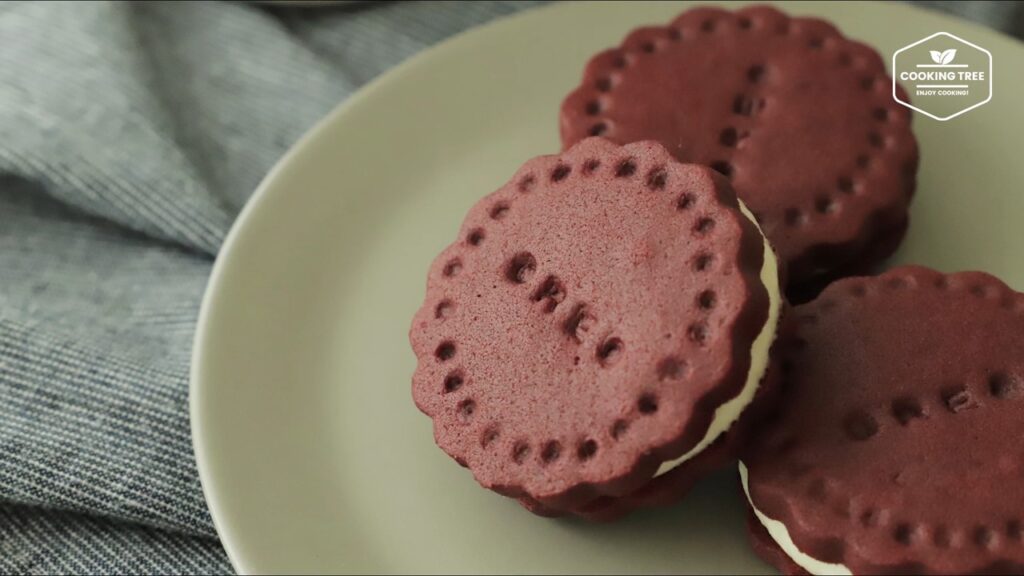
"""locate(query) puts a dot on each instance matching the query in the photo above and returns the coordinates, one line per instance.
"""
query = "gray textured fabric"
(42, 541)
(130, 136)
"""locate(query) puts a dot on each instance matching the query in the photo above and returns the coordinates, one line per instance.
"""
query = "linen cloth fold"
(130, 137)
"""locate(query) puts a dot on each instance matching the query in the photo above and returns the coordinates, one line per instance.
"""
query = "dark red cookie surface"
(592, 315)
(800, 118)
(898, 446)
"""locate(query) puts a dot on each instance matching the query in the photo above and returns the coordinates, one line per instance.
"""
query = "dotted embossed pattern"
(898, 446)
(588, 319)
(801, 119)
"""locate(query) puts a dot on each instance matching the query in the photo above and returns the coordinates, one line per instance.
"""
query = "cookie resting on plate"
(601, 321)
(898, 444)
(801, 119)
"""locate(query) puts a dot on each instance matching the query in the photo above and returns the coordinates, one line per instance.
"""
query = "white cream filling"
(727, 414)
(777, 530)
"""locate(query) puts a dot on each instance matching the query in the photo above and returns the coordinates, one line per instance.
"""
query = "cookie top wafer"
(899, 447)
(591, 317)
(801, 119)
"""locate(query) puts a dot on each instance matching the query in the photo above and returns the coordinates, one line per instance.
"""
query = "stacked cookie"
(897, 446)
(800, 119)
(612, 324)
(603, 320)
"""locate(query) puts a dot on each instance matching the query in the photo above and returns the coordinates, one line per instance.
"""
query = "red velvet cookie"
(606, 311)
(898, 446)
(800, 118)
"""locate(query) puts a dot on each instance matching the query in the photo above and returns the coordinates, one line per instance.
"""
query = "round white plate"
(311, 453)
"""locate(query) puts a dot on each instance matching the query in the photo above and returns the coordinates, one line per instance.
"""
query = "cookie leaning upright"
(607, 310)
(899, 445)
(800, 118)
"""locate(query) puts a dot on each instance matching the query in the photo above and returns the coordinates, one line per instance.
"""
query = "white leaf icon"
(948, 55)
(936, 56)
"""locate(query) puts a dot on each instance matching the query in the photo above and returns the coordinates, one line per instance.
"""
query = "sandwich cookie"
(801, 120)
(602, 319)
(898, 444)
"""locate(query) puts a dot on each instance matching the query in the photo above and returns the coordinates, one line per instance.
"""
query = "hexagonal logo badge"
(944, 75)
